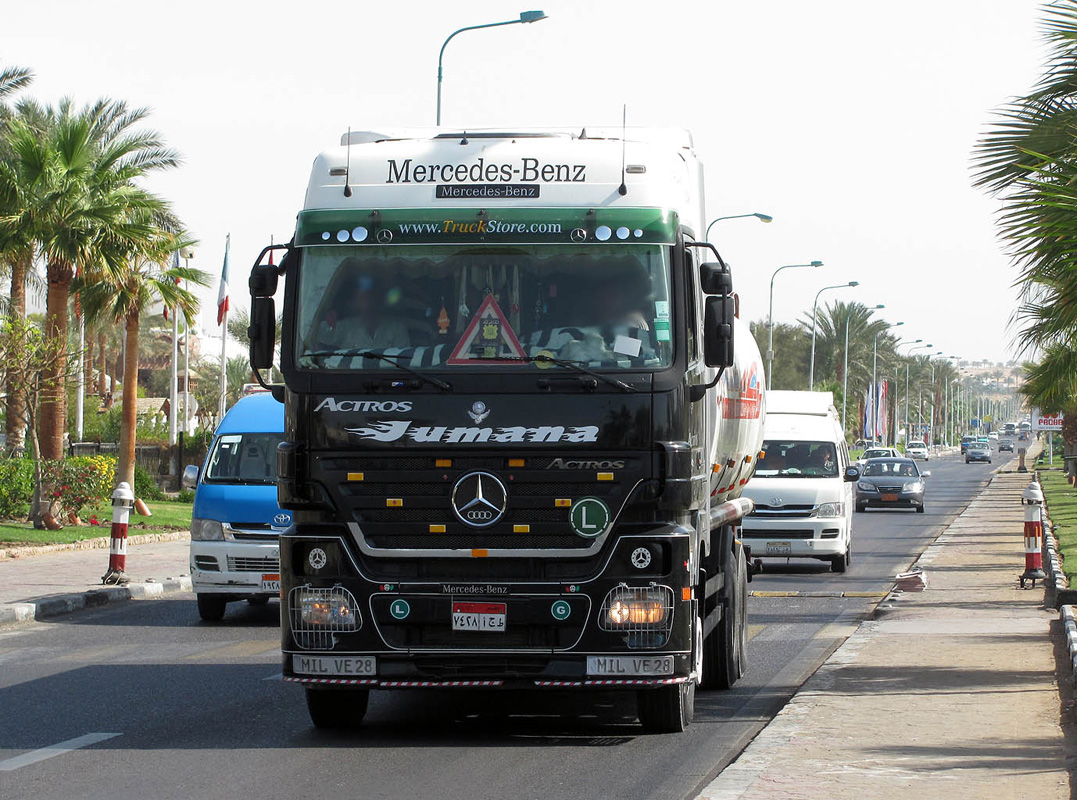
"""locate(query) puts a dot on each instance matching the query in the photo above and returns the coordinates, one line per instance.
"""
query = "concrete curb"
(1070, 627)
(96, 543)
(57, 605)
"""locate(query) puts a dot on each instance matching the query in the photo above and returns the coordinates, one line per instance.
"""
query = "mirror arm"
(698, 391)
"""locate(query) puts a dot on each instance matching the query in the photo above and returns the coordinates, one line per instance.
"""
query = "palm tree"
(127, 281)
(71, 190)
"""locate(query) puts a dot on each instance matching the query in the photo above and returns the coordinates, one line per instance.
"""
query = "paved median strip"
(863, 595)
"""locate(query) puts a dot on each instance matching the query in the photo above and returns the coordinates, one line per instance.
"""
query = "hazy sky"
(850, 122)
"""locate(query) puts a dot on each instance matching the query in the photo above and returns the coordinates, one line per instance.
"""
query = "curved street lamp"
(757, 215)
(525, 16)
(770, 316)
(814, 307)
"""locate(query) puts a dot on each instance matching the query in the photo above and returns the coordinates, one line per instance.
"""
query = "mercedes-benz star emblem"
(317, 558)
(479, 499)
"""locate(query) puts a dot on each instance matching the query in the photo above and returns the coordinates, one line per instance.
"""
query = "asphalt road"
(144, 700)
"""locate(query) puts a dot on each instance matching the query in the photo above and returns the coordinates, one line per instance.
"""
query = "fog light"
(318, 614)
(644, 613)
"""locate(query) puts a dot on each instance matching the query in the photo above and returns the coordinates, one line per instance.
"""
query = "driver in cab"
(359, 322)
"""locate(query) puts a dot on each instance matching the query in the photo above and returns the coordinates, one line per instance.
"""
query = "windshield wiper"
(543, 358)
(445, 387)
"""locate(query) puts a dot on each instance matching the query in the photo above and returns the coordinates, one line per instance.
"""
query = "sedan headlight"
(829, 510)
(864, 486)
(206, 530)
(913, 488)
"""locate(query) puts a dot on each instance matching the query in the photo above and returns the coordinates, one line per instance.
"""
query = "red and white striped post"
(123, 500)
(1032, 499)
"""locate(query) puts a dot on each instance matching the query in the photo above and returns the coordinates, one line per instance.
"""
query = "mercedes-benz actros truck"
(520, 409)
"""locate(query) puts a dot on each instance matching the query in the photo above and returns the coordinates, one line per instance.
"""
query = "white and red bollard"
(1032, 500)
(123, 500)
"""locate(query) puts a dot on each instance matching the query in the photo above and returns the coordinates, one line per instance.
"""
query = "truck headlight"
(829, 510)
(637, 607)
(318, 614)
(206, 530)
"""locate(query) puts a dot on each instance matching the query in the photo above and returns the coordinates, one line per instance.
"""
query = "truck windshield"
(797, 459)
(244, 458)
(485, 307)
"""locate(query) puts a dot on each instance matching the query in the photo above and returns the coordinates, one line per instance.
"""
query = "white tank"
(738, 422)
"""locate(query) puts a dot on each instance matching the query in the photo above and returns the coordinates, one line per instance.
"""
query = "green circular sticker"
(589, 517)
(400, 609)
(560, 610)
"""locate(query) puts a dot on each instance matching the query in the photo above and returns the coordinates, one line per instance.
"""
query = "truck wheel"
(337, 708)
(667, 709)
(257, 601)
(211, 607)
(725, 651)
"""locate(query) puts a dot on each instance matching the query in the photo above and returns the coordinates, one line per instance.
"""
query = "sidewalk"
(951, 693)
(39, 586)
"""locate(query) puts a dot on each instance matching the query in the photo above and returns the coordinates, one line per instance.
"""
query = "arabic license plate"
(779, 548)
(271, 582)
(485, 617)
(334, 665)
(629, 665)
(889, 498)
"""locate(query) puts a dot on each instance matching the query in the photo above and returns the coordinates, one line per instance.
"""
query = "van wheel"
(725, 650)
(211, 607)
(333, 709)
(838, 563)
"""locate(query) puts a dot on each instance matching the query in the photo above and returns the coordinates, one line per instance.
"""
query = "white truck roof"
(517, 168)
(811, 403)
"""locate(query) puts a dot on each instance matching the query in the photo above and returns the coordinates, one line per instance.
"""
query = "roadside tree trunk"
(53, 415)
(15, 414)
(125, 467)
(102, 361)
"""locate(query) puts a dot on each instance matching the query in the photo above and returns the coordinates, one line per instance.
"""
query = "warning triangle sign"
(489, 338)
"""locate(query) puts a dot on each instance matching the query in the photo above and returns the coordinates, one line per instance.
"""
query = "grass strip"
(1061, 499)
(167, 516)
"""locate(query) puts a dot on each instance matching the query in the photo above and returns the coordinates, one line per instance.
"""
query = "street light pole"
(770, 319)
(525, 16)
(761, 217)
(814, 314)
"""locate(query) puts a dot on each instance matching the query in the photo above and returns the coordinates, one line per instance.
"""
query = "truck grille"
(404, 502)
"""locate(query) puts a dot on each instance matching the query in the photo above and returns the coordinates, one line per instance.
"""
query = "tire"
(257, 601)
(966, 461)
(919, 509)
(667, 709)
(333, 709)
(860, 507)
(211, 607)
(725, 650)
(839, 563)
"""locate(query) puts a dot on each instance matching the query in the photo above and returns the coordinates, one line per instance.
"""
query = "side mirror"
(852, 474)
(262, 332)
(718, 331)
(926, 474)
(715, 278)
(263, 280)
(189, 480)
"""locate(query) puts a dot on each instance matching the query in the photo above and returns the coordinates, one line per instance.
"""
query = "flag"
(222, 293)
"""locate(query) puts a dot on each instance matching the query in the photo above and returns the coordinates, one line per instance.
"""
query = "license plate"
(629, 665)
(889, 498)
(334, 665)
(271, 582)
(779, 548)
(486, 617)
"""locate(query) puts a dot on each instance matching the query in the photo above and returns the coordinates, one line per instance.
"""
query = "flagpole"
(222, 320)
(173, 387)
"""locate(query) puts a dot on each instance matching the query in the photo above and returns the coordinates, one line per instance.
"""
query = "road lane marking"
(276, 676)
(245, 649)
(867, 595)
(51, 751)
(755, 630)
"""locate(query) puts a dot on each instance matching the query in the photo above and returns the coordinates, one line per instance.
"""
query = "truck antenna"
(348, 166)
(623, 189)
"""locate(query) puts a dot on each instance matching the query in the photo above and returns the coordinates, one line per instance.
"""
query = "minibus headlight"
(206, 530)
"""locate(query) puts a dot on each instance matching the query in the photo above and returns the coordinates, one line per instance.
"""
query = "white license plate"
(629, 665)
(271, 583)
(779, 548)
(346, 666)
(486, 617)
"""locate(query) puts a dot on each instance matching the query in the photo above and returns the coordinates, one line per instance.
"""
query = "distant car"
(965, 443)
(993, 436)
(864, 444)
(978, 451)
(878, 452)
(916, 450)
(1005, 445)
(891, 483)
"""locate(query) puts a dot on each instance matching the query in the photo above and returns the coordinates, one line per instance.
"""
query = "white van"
(803, 482)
